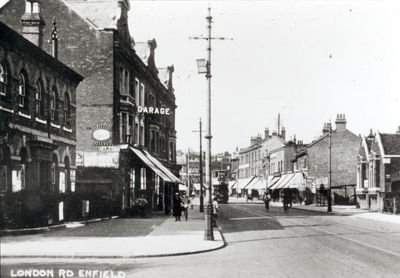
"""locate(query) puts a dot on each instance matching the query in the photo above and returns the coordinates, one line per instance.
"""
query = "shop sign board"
(154, 110)
(108, 159)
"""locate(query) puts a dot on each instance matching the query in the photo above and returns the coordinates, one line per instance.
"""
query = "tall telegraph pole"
(208, 235)
(201, 174)
(201, 208)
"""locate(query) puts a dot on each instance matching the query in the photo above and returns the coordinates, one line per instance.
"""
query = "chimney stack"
(32, 23)
(340, 122)
(283, 133)
(325, 129)
(294, 139)
(254, 140)
(54, 39)
(266, 132)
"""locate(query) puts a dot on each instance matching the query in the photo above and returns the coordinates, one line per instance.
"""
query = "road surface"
(275, 244)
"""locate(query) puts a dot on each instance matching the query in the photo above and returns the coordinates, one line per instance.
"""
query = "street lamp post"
(205, 67)
(330, 170)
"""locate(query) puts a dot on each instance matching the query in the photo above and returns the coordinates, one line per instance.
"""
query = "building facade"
(189, 163)
(125, 106)
(342, 152)
(378, 172)
(37, 127)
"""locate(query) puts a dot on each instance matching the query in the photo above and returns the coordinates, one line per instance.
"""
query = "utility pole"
(188, 173)
(330, 169)
(208, 235)
(201, 208)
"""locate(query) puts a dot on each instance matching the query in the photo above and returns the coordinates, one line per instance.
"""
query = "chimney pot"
(266, 132)
(283, 133)
(28, 7)
(341, 122)
(36, 8)
(32, 23)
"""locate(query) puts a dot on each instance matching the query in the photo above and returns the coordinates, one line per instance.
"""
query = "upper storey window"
(67, 110)
(39, 99)
(22, 92)
(137, 92)
(3, 79)
(124, 81)
(53, 105)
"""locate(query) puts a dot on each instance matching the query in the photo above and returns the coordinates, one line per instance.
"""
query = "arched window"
(53, 105)
(67, 110)
(3, 79)
(39, 99)
(21, 90)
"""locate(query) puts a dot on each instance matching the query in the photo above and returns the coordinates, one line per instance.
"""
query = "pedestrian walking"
(177, 207)
(215, 211)
(267, 199)
(286, 196)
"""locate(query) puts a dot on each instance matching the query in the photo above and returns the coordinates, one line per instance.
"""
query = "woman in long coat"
(177, 207)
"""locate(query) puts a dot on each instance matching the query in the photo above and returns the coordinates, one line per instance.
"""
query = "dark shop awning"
(156, 165)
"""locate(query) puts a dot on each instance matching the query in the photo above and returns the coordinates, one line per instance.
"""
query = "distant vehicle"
(220, 185)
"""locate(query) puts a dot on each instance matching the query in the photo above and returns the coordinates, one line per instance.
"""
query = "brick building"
(37, 127)
(218, 162)
(265, 159)
(378, 172)
(126, 136)
(314, 160)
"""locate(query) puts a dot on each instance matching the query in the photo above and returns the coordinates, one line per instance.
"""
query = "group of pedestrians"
(287, 199)
(180, 206)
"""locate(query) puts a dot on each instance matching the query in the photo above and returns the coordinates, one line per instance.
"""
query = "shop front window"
(143, 179)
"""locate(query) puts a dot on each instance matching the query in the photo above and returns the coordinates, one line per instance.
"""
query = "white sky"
(308, 60)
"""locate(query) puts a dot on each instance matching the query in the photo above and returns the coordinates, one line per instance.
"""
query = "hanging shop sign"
(153, 110)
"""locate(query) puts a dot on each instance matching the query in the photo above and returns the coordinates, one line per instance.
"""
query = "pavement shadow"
(121, 227)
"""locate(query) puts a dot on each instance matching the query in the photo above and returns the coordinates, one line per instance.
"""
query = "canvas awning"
(242, 183)
(292, 180)
(163, 168)
(261, 184)
(282, 180)
(182, 187)
(155, 165)
(256, 183)
(232, 184)
(297, 181)
(271, 181)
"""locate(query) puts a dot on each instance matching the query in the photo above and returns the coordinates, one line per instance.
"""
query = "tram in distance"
(220, 185)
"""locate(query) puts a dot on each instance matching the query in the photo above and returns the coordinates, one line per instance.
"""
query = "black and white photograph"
(219, 138)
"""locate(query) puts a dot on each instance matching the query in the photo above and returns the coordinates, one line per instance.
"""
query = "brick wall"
(345, 146)
(83, 48)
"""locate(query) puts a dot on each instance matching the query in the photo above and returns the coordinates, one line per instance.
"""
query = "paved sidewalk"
(353, 212)
(118, 238)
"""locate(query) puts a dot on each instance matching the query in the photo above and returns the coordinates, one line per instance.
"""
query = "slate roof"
(101, 13)
(391, 143)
